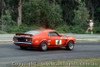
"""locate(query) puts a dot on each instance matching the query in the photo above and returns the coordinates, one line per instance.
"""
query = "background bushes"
(21, 29)
(65, 16)
(71, 29)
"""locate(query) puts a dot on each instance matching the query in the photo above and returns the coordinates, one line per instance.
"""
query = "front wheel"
(43, 46)
(70, 45)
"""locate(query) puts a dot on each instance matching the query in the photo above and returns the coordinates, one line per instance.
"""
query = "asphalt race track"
(10, 53)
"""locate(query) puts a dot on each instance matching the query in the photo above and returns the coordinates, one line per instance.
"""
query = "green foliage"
(63, 29)
(6, 21)
(70, 29)
(68, 7)
(66, 16)
(77, 29)
(81, 14)
(96, 29)
(42, 13)
(3, 32)
(21, 29)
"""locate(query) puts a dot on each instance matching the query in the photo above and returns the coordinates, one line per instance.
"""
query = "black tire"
(70, 45)
(23, 48)
(43, 46)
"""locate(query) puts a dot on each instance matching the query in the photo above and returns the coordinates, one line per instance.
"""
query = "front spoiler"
(27, 43)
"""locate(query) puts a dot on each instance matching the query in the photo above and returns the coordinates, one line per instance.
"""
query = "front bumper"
(26, 43)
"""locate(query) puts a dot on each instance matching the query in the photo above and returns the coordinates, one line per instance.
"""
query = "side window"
(53, 34)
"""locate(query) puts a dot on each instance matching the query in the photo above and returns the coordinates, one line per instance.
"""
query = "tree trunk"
(2, 12)
(19, 13)
(91, 8)
(0, 8)
(54, 2)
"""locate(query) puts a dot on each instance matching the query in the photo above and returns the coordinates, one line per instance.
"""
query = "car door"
(55, 39)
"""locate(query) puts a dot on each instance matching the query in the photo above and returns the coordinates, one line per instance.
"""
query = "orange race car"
(43, 39)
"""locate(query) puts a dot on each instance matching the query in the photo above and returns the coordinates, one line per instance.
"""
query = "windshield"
(33, 32)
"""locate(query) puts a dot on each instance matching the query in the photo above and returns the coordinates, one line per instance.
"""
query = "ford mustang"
(43, 39)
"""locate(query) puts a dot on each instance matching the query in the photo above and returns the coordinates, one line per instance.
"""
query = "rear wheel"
(21, 47)
(43, 46)
(70, 45)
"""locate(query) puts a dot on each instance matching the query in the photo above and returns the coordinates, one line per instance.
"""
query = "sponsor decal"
(58, 42)
(49, 40)
(48, 43)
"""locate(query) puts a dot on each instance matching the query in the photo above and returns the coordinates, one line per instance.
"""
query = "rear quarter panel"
(37, 39)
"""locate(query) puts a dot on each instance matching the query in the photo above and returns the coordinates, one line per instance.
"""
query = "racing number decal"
(58, 42)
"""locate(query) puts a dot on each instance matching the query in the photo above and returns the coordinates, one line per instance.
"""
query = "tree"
(15, 7)
(81, 14)
(68, 7)
(6, 21)
(54, 2)
(19, 13)
(42, 13)
(94, 8)
(91, 8)
(0, 8)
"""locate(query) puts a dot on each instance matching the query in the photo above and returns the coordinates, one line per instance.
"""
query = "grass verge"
(3, 32)
(6, 42)
(95, 62)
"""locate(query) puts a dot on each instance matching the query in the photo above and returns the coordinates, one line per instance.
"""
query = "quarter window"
(53, 34)
(33, 32)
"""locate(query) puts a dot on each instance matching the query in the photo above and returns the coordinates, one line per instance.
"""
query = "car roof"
(46, 30)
